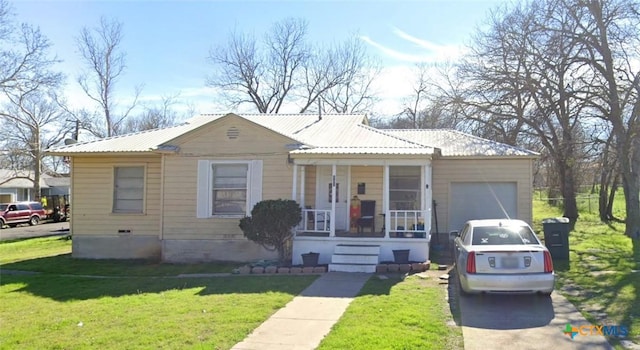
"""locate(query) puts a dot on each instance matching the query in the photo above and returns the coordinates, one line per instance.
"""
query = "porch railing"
(315, 220)
(407, 223)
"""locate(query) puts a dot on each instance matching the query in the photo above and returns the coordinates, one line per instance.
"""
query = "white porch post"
(348, 198)
(302, 184)
(385, 200)
(332, 223)
(428, 196)
(294, 189)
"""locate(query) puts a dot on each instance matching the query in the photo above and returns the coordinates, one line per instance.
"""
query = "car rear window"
(36, 206)
(503, 235)
(3, 207)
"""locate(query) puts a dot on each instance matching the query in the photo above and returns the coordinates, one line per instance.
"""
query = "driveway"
(26, 231)
(520, 322)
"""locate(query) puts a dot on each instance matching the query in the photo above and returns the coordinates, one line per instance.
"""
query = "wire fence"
(584, 202)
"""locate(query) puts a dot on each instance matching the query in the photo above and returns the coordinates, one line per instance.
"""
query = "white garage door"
(481, 200)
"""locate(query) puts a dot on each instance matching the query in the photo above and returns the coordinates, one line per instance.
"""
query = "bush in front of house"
(271, 223)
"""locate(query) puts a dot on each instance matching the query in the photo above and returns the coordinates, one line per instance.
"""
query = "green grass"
(53, 255)
(138, 305)
(133, 307)
(601, 275)
(397, 314)
(26, 249)
(56, 312)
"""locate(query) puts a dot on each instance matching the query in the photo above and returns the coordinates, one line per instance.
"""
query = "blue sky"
(167, 42)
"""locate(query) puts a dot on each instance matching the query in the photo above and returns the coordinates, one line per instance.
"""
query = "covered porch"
(362, 202)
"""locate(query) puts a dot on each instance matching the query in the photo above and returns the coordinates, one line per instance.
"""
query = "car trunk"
(509, 259)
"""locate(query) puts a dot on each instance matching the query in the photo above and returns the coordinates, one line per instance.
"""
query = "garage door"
(481, 200)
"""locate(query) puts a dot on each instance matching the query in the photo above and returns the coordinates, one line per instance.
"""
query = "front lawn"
(56, 312)
(53, 255)
(398, 313)
(112, 304)
(131, 307)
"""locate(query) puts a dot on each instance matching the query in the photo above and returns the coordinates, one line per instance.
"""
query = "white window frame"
(205, 190)
(417, 191)
(142, 210)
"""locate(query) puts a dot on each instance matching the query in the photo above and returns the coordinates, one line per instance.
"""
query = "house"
(178, 193)
(17, 185)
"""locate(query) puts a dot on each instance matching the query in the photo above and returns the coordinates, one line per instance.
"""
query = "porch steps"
(355, 258)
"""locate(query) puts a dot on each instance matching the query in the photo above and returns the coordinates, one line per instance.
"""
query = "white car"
(501, 256)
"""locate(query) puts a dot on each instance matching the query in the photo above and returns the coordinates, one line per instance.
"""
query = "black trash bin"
(556, 237)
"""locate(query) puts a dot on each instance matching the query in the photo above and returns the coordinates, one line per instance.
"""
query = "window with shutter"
(228, 188)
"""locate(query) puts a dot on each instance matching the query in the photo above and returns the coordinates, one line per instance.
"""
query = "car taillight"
(548, 263)
(471, 262)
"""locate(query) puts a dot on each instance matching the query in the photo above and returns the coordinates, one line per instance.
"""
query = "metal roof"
(316, 134)
(326, 132)
(23, 179)
(144, 141)
(453, 143)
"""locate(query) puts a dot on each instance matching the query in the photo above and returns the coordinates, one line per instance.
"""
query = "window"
(228, 188)
(491, 235)
(404, 187)
(128, 189)
(36, 206)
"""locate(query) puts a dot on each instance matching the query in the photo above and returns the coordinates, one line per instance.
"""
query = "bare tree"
(154, 116)
(34, 122)
(522, 69)
(283, 70)
(25, 78)
(610, 32)
(100, 49)
(351, 91)
(434, 102)
(25, 61)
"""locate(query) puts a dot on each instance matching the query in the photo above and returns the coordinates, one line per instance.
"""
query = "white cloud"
(427, 51)
(393, 85)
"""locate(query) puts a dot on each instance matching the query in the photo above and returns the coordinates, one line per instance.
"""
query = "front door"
(323, 191)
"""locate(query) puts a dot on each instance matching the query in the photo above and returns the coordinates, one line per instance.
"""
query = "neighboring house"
(17, 185)
(178, 193)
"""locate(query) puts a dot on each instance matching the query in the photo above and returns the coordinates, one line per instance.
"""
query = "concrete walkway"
(308, 318)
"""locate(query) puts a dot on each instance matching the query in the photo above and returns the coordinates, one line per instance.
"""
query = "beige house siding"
(446, 171)
(186, 237)
(95, 227)
(310, 186)
(93, 197)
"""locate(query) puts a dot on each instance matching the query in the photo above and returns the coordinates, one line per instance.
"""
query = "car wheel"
(34, 220)
(461, 290)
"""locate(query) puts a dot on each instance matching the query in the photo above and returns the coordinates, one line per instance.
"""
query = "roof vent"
(233, 133)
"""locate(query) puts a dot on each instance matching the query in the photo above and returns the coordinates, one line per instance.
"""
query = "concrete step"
(352, 268)
(356, 249)
(371, 259)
